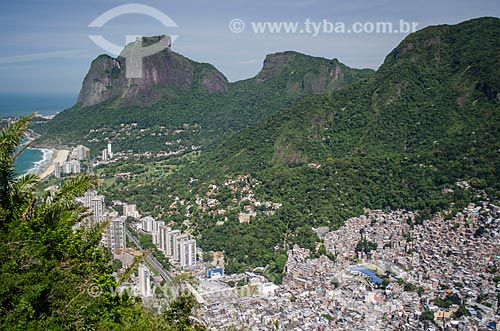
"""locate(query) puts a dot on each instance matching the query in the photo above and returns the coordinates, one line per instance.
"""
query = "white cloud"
(69, 54)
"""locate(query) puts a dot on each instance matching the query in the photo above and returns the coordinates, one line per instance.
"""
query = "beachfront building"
(75, 167)
(67, 167)
(72, 167)
(57, 170)
(82, 152)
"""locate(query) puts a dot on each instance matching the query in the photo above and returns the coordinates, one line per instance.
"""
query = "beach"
(60, 156)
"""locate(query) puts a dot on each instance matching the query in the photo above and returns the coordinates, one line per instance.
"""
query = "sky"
(45, 46)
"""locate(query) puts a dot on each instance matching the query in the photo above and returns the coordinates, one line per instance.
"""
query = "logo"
(94, 290)
(133, 52)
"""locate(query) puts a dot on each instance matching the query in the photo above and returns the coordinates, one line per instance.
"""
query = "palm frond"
(11, 190)
(11, 137)
(75, 187)
(25, 184)
(61, 206)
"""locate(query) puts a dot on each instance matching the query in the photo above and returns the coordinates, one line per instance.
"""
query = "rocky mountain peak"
(163, 70)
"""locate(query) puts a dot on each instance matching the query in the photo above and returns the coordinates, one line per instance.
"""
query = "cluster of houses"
(422, 266)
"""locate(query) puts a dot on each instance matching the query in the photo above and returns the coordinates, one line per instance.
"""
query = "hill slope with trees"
(421, 134)
(285, 78)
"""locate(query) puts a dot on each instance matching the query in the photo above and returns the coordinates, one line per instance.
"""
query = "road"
(152, 261)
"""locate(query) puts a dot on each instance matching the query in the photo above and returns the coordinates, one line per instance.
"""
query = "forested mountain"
(432, 107)
(176, 91)
(426, 120)
(421, 134)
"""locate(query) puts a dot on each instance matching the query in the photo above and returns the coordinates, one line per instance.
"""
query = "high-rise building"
(88, 197)
(115, 237)
(148, 224)
(155, 239)
(82, 152)
(110, 152)
(178, 241)
(170, 242)
(75, 166)
(156, 226)
(97, 207)
(57, 170)
(130, 211)
(104, 155)
(188, 253)
(95, 203)
(72, 166)
(144, 281)
(68, 168)
(163, 231)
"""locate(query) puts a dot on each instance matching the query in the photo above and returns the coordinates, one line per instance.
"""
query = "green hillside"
(285, 78)
(426, 120)
(421, 134)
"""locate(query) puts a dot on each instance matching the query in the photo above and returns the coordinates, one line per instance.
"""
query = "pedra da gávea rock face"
(165, 72)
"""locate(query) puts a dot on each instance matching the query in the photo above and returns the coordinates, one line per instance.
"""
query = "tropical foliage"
(53, 273)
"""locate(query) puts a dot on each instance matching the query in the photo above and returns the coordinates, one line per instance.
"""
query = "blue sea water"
(26, 104)
(31, 160)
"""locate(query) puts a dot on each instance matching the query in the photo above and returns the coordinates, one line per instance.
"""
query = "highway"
(153, 262)
(150, 259)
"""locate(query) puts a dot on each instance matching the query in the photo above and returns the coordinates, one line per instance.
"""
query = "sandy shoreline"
(60, 156)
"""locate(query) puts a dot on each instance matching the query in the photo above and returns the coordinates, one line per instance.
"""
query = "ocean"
(26, 104)
(33, 160)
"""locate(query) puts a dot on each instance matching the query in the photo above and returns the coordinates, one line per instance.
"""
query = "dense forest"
(421, 134)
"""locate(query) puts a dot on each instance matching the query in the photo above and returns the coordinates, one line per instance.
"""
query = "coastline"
(39, 166)
(60, 156)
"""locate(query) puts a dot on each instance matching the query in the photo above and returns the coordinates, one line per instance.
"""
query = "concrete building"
(88, 197)
(95, 203)
(170, 242)
(67, 167)
(104, 155)
(155, 238)
(83, 152)
(144, 281)
(97, 206)
(130, 211)
(187, 253)
(57, 170)
(72, 167)
(178, 244)
(75, 167)
(148, 223)
(163, 231)
(110, 152)
(115, 237)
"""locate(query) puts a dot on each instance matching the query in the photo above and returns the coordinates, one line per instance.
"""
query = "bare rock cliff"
(163, 72)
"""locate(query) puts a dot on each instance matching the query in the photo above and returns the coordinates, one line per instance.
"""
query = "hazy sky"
(45, 46)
